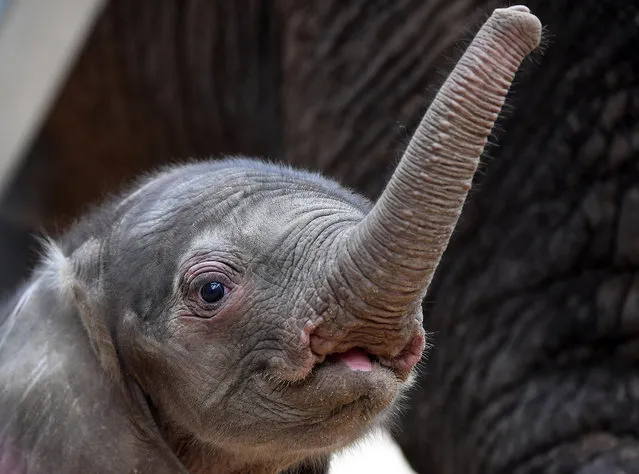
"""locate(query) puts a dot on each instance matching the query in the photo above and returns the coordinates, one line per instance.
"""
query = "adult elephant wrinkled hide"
(536, 307)
(239, 317)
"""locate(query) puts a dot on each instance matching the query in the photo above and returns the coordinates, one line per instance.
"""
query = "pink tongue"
(356, 359)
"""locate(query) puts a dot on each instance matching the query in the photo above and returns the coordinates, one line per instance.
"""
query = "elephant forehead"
(270, 219)
(256, 200)
(179, 204)
(269, 227)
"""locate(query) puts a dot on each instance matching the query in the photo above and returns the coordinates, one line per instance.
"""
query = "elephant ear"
(77, 280)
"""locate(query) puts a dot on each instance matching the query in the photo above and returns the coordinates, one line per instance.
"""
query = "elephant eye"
(212, 292)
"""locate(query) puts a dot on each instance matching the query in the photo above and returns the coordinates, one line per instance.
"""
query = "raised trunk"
(397, 247)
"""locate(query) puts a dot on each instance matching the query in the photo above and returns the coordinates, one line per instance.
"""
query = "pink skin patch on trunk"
(355, 359)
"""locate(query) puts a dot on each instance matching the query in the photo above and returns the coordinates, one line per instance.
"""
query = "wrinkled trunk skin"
(384, 266)
(408, 229)
(536, 303)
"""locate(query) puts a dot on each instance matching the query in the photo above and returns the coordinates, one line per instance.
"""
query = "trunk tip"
(526, 25)
(518, 8)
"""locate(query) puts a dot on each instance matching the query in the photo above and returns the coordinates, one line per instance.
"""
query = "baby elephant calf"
(236, 316)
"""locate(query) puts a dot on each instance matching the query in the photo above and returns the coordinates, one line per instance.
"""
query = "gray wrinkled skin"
(218, 379)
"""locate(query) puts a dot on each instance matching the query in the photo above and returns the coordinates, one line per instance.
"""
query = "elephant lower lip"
(356, 359)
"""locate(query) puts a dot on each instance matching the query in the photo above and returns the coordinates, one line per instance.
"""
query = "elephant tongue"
(356, 359)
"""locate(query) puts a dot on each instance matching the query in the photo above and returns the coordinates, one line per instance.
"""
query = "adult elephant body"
(536, 304)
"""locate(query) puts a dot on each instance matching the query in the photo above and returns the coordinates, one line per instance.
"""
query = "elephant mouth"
(341, 378)
(356, 359)
(342, 393)
(353, 385)
(354, 380)
(353, 364)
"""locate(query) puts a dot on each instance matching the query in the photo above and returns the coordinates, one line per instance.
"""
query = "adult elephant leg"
(535, 309)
